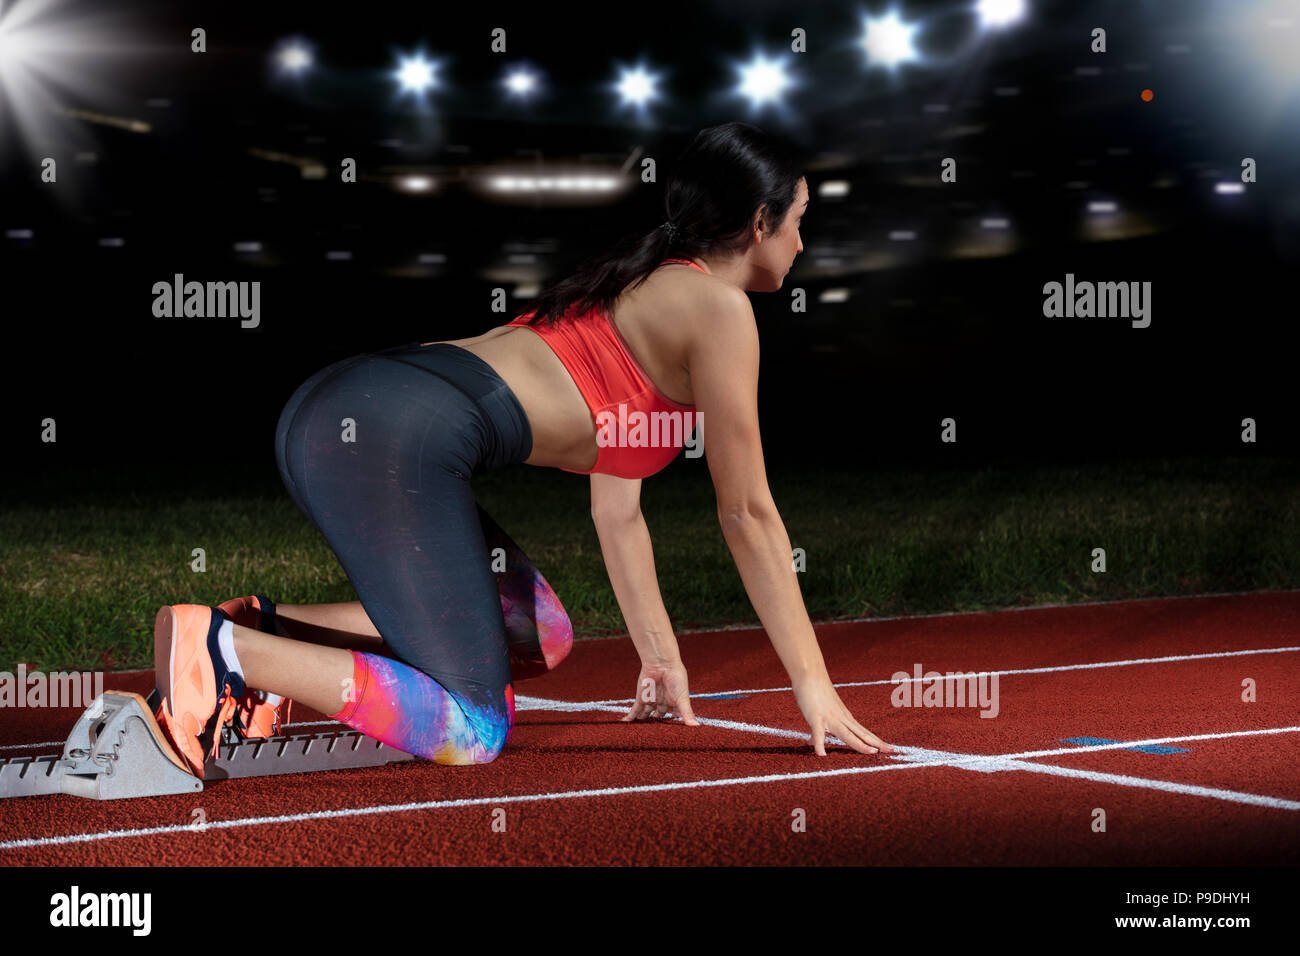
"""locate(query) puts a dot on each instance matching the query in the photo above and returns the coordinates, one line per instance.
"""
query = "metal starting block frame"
(117, 750)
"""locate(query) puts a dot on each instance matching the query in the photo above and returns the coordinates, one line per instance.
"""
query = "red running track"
(1217, 785)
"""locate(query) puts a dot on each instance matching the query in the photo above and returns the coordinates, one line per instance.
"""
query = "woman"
(377, 450)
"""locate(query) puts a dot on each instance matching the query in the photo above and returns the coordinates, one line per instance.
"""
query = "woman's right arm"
(724, 360)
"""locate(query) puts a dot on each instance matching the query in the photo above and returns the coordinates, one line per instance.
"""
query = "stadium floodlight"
(294, 57)
(580, 184)
(520, 82)
(1272, 32)
(49, 58)
(763, 80)
(636, 86)
(15, 42)
(414, 74)
(887, 41)
(1000, 13)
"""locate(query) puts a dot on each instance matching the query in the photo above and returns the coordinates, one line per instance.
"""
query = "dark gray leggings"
(377, 450)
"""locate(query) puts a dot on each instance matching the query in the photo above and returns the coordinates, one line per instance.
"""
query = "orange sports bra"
(639, 429)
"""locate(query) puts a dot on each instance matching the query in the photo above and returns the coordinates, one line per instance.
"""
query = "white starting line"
(911, 758)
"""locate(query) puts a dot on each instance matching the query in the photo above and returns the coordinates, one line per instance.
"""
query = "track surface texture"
(1121, 737)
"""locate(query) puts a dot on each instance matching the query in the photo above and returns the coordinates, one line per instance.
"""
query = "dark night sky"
(925, 331)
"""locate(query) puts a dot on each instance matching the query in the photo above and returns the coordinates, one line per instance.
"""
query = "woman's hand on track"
(661, 691)
(826, 714)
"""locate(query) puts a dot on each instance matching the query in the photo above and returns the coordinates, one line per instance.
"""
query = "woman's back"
(655, 320)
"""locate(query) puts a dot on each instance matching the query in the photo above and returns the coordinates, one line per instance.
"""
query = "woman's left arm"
(629, 559)
(662, 687)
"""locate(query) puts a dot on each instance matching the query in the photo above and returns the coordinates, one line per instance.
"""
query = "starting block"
(117, 750)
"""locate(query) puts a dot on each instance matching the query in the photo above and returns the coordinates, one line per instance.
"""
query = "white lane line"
(928, 758)
(1089, 748)
(1191, 790)
(994, 763)
(439, 805)
(1002, 610)
(541, 703)
(1020, 670)
(913, 753)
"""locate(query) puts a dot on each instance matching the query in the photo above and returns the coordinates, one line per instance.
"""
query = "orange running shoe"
(194, 687)
(254, 717)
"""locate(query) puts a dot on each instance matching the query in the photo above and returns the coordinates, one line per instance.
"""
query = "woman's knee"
(489, 730)
(437, 716)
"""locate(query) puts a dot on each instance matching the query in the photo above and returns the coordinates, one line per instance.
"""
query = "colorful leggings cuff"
(409, 710)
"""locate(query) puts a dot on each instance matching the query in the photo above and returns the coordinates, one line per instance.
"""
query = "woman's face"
(772, 258)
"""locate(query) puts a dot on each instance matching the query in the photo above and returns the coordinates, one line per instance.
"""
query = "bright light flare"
(414, 74)
(48, 58)
(763, 81)
(294, 57)
(581, 183)
(1273, 34)
(521, 83)
(1000, 13)
(887, 41)
(637, 87)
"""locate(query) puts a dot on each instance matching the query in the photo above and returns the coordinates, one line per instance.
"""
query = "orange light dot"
(1147, 96)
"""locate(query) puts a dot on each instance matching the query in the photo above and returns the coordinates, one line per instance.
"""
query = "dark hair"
(720, 181)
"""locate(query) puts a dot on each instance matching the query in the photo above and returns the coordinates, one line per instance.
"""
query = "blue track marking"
(1148, 749)
(718, 696)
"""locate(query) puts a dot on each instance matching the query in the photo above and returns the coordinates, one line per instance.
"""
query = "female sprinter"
(378, 449)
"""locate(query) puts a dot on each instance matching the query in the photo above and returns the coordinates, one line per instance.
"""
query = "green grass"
(82, 574)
